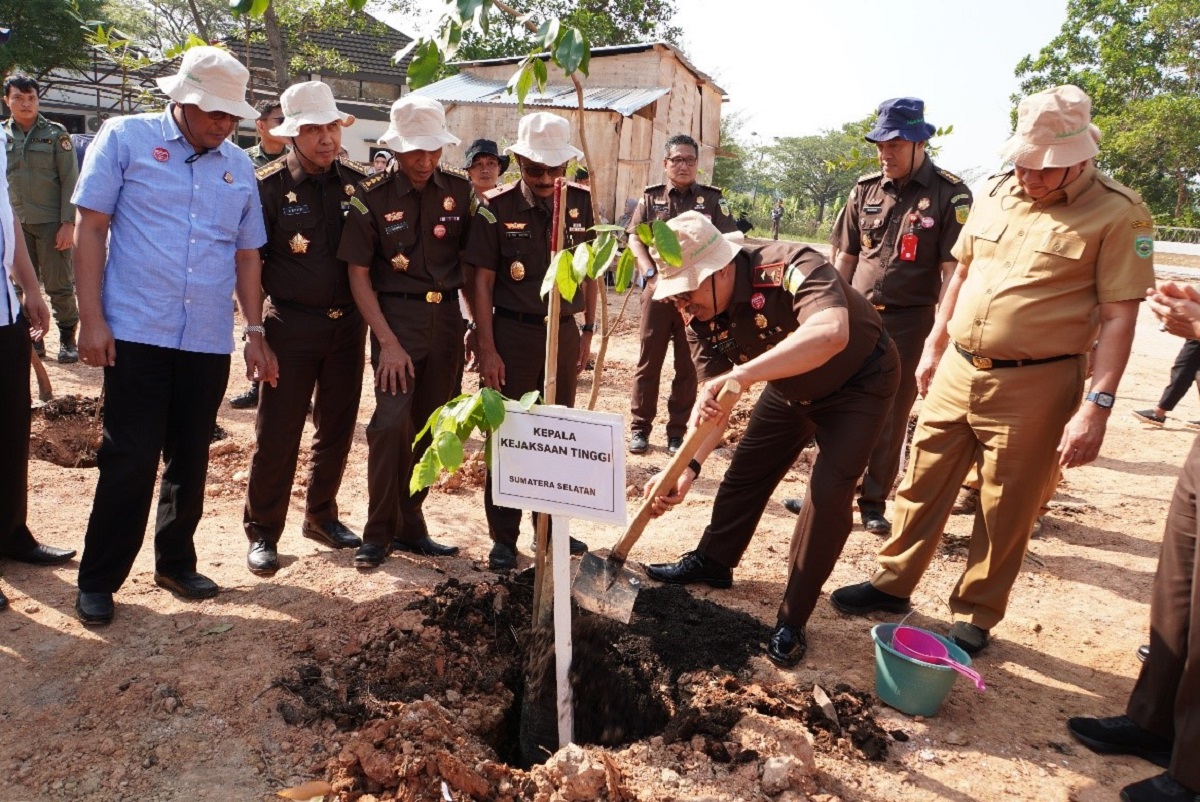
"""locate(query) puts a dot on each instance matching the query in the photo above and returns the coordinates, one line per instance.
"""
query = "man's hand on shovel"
(662, 504)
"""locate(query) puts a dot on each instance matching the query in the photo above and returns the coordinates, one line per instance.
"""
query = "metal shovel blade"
(606, 587)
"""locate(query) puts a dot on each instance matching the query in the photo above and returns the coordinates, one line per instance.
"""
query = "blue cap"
(901, 118)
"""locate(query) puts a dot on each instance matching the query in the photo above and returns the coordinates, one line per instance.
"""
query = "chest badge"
(161, 155)
(927, 222)
(758, 300)
(760, 321)
(923, 204)
(228, 177)
(299, 243)
(291, 197)
(574, 213)
(394, 217)
(517, 271)
(448, 203)
(439, 231)
(699, 202)
(348, 189)
(400, 263)
(867, 241)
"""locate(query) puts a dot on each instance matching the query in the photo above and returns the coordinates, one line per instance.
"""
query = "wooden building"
(635, 98)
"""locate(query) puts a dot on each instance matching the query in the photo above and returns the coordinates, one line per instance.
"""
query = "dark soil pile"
(67, 431)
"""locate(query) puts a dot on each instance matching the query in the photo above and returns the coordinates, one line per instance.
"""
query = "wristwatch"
(248, 330)
(587, 328)
(651, 273)
(1102, 400)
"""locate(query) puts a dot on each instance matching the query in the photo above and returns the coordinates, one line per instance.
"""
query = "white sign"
(561, 461)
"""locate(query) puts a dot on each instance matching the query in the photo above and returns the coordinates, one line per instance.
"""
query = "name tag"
(517, 234)
(395, 227)
(296, 209)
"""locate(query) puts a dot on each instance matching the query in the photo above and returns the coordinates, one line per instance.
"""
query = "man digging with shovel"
(778, 313)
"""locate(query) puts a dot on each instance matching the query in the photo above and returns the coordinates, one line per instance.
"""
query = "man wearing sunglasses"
(660, 326)
(169, 224)
(510, 251)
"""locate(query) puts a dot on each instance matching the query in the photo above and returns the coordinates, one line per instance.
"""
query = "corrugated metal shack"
(635, 98)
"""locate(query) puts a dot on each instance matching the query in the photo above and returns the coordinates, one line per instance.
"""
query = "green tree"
(159, 25)
(730, 166)
(45, 33)
(1139, 63)
(819, 168)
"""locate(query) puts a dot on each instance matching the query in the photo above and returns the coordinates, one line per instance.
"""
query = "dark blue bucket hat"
(901, 118)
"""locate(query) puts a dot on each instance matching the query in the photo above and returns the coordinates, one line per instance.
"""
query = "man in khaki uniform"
(42, 171)
(1054, 256)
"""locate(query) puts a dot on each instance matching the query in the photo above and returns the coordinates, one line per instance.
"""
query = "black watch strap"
(695, 466)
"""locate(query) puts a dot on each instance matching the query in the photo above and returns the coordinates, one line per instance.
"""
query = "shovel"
(604, 585)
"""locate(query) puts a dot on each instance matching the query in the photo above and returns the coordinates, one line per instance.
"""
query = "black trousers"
(14, 437)
(158, 402)
(1183, 375)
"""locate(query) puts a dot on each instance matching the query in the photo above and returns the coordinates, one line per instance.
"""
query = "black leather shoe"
(188, 584)
(502, 557)
(673, 445)
(692, 567)
(793, 505)
(1143, 652)
(43, 555)
(638, 443)
(94, 608)
(247, 400)
(787, 645)
(333, 534)
(1159, 788)
(369, 556)
(262, 559)
(426, 547)
(874, 522)
(968, 637)
(865, 598)
(1117, 735)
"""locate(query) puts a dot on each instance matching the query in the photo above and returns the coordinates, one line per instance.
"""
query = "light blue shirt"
(9, 305)
(170, 272)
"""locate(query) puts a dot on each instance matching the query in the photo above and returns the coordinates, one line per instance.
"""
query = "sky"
(797, 67)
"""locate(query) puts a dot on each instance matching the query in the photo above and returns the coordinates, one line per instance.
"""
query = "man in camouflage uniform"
(41, 177)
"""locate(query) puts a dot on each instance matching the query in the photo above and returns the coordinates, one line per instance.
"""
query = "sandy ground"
(175, 700)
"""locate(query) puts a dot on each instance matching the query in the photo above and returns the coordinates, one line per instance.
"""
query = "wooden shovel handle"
(45, 391)
(691, 444)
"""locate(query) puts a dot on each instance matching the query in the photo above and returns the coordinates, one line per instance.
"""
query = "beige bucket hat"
(308, 103)
(212, 79)
(1054, 129)
(418, 123)
(545, 138)
(705, 251)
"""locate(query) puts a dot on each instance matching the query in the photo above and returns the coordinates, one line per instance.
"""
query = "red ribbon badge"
(161, 155)
(439, 231)
(758, 300)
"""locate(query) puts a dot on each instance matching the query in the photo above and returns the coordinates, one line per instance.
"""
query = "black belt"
(987, 363)
(527, 319)
(331, 312)
(435, 297)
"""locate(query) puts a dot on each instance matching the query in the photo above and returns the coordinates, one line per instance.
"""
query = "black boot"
(68, 350)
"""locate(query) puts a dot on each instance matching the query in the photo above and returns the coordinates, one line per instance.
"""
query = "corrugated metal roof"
(466, 88)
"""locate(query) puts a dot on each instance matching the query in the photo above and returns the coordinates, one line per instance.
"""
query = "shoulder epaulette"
(357, 167)
(949, 176)
(376, 181)
(770, 275)
(870, 177)
(499, 190)
(574, 185)
(64, 140)
(1116, 186)
(455, 172)
(717, 190)
(653, 188)
(270, 168)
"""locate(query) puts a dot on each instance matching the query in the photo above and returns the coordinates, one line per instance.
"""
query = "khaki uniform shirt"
(42, 171)
(1038, 270)
(304, 215)
(410, 239)
(665, 202)
(777, 288)
(511, 238)
(933, 205)
(261, 159)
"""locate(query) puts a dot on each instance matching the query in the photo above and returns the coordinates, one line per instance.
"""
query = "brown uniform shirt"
(777, 287)
(511, 237)
(664, 202)
(409, 239)
(933, 205)
(1038, 270)
(304, 216)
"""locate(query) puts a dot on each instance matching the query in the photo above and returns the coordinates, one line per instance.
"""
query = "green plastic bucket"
(909, 685)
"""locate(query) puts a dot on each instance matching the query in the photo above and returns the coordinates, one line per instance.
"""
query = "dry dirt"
(389, 683)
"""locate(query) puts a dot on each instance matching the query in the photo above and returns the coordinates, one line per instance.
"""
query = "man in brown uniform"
(312, 326)
(778, 313)
(1054, 254)
(894, 246)
(661, 326)
(509, 250)
(402, 241)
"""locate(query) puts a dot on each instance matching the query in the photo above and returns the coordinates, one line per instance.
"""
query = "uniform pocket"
(986, 241)
(1059, 253)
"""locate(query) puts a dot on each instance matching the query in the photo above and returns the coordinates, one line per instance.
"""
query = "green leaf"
(624, 275)
(603, 227)
(667, 244)
(564, 276)
(429, 424)
(449, 38)
(259, 7)
(548, 33)
(602, 255)
(539, 73)
(467, 9)
(580, 262)
(570, 50)
(529, 399)
(449, 451)
(523, 85)
(425, 472)
(644, 234)
(240, 6)
(586, 61)
(493, 408)
(356, 5)
(425, 64)
(487, 452)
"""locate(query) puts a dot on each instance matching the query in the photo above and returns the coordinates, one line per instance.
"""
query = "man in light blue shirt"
(169, 226)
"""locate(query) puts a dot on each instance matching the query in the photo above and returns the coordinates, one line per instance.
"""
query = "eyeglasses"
(681, 161)
(539, 170)
(223, 117)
